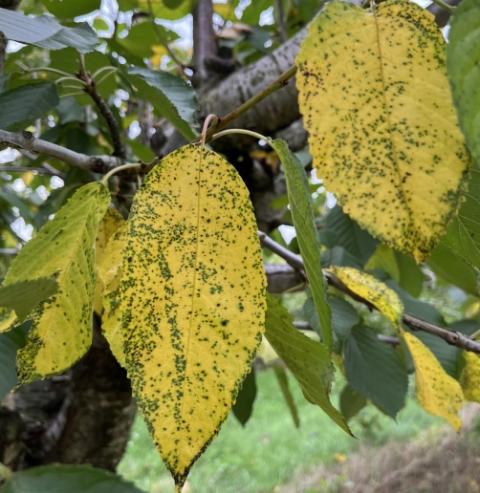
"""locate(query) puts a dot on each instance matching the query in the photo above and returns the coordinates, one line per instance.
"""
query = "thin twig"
(23, 169)
(453, 338)
(444, 5)
(277, 84)
(28, 142)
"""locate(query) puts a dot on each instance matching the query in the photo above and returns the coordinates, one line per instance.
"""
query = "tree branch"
(453, 338)
(28, 142)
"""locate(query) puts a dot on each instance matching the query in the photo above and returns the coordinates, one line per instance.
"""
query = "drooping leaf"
(24, 296)
(351, 402)
(384, 299)
(62, 478)
(46, 32)
(437, 392)
(304, 222)
(9, 345)
(64, 248)
(26, 103)
(463, 53)
(463, 235)
(69, 10)
(192, 299)
(282, 379)
(243, 407)
(369, 112)
(470, 376)
(111, 222)
(308, 360)
(170, 95)
(376, 370)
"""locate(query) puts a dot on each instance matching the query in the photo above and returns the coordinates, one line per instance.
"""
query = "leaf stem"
(275, 85)
(444, 5)
(242, 131)
(116, 170)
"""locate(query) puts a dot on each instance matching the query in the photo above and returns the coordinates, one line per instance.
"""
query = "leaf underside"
(192, 300)
(382, 127)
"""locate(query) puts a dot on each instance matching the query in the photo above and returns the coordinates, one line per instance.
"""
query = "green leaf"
(171, 96)
(46, 32)
(24, 296)
(351, 402)
(243, 407)
(376, 370)
(308, 360)
(463, 54)
(251, 15)
(66, 478)
(26, 103)
(63, 248)
(368, 112)
(282, 379)
(10, 343)
(463, 234)
(338, 229)
(304, 222)
(454, 269)
(68, 9)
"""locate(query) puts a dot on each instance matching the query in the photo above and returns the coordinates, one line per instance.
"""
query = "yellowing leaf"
(192, 299)
(159, 51)
(7, 319)
(112, 220)
(470, 376)
(437, 392)
(64, 249)
(382, 127)
(384, 299)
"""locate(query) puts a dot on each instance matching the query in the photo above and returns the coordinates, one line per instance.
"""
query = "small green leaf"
(243, 407)
(463, 54)
(26, 103)
(24, 296)
(63, 478)
(308, 360)
(68, 9)
(351, 402)
(282, 380)
(376, 370)
(304, 222)
(46, 32)
(9, 345)
(171, 96)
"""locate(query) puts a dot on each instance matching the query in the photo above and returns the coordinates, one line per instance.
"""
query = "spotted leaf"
(111, 222)
(192, 300)
(470, 376)
(64, 249)
(384, 299)
(382, 127)
(437, 392)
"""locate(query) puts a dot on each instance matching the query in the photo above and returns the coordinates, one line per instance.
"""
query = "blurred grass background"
(269, 450)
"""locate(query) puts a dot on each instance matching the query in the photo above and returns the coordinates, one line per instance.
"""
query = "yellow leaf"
(112, 220)
(63, 248)
(192, 299)
(437, 392)
(470, 376)
(8, 319)
(382, 127)
(384, 299)
(159, 51)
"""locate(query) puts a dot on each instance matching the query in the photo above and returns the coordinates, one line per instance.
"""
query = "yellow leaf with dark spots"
(437, 392)
(367, 287)
(61, 329)
(470, 376)
(192, 300)
(112, 220)
(382, 127)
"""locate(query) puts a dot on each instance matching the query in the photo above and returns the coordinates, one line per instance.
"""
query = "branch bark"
(28, 142)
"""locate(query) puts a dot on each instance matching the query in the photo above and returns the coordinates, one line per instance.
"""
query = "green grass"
(269, 450)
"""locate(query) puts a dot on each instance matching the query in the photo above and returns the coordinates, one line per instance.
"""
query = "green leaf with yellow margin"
(192, 300)
(63, 248)
(470, 376)
(308, 360)
(111, 222)
(384, 299)
(382, 127)
(437, 392)
(304, 222)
